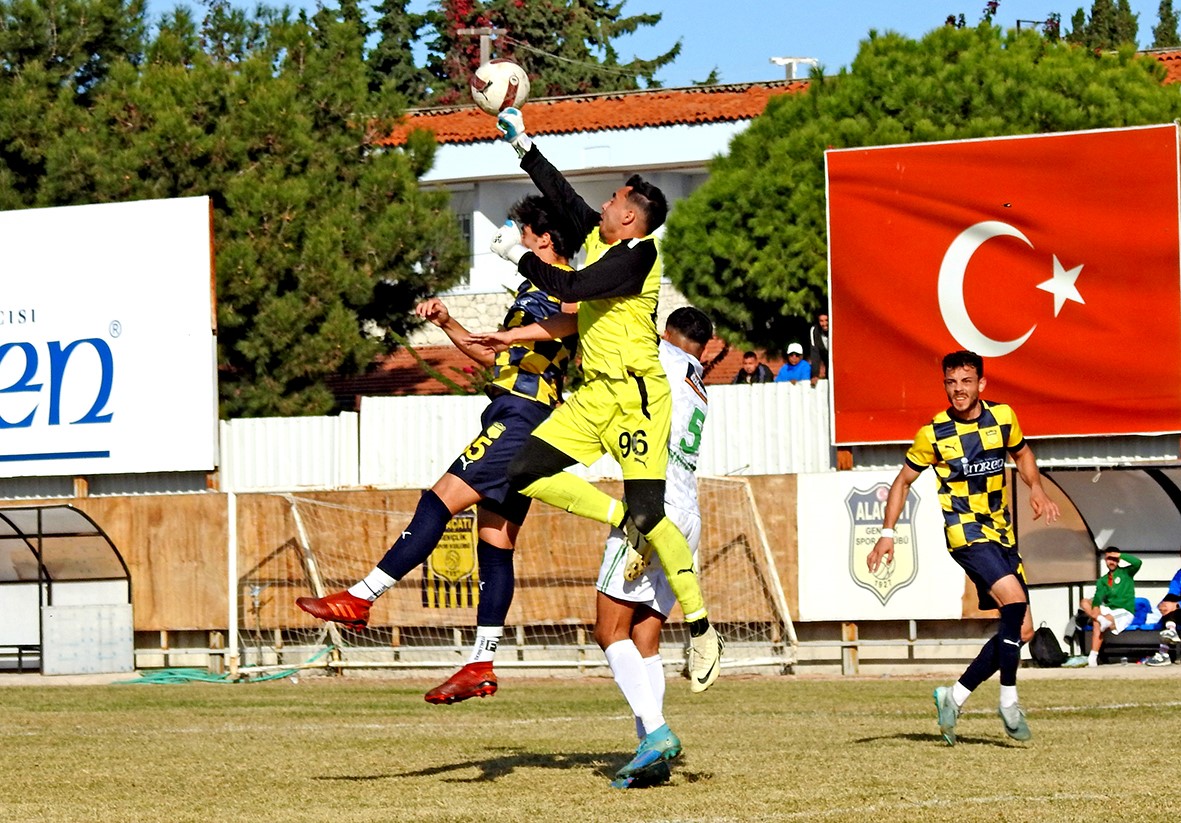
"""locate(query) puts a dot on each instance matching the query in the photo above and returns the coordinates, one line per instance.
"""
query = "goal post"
(315, 543)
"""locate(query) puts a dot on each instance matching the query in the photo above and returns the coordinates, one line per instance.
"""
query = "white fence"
(408, 442)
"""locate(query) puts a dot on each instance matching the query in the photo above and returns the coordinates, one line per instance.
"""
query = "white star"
(1061, 285)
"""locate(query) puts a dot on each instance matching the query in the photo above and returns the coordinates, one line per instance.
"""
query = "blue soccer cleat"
(657, 747)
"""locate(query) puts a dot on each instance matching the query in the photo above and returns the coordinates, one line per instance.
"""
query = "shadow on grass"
(604, 764)
(921, 737)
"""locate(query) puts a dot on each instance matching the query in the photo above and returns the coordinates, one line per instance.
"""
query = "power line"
(596, 66)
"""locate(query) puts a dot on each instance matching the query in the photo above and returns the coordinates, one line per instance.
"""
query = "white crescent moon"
(951, 289)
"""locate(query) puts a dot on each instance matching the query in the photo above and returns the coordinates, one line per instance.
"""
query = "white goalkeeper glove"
(507, 243)
(512, 123)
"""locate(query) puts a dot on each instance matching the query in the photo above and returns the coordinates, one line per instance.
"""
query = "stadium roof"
(600, 112)
(456, 125)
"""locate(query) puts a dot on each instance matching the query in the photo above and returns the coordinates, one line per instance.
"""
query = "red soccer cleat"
(473, 680)
(341, 607)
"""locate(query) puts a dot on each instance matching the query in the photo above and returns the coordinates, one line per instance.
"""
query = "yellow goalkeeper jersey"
(618, 334)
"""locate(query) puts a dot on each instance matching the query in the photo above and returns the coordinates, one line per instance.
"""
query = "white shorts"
(1115, 619)
(651, 589)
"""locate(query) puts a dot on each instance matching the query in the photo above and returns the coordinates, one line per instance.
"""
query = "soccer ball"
(498, 84)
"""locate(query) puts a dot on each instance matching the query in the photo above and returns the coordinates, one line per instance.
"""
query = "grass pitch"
(344, 749)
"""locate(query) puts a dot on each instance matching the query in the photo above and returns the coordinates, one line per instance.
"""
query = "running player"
(631, 613)
(624, 406)
(525, 387)
(967, 444)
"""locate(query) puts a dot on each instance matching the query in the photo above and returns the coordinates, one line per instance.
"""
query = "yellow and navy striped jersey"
(534, 369)
(969, 462)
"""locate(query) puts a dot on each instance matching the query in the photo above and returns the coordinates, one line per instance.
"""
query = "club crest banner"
(450, 578)
(839, 518)
(1052, 256)
(865, 510)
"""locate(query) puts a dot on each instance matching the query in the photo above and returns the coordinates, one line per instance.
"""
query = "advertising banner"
(1051, 256)
(839, 517)
(107, 339)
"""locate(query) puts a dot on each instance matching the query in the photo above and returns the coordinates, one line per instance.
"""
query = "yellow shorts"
(628, 418)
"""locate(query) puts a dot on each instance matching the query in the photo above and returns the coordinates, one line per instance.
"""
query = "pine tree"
(749, 246)
(1164, 34)
(391, 60)
(1127, 24)
(324, 241)
(1102, 28)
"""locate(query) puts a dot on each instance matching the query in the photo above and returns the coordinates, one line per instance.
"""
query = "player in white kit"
(631, 612)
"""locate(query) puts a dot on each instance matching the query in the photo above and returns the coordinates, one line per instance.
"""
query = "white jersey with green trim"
(689, 407)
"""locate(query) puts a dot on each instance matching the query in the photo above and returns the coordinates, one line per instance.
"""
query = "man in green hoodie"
(1114, 604)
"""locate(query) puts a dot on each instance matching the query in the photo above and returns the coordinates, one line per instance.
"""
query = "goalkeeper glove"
(512, 123)
(507, 243)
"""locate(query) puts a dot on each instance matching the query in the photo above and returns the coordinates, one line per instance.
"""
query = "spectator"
(1114, 604)
(796, 368)
(818, 350)
(1170, 617)
(753, 371)
(1170, 622)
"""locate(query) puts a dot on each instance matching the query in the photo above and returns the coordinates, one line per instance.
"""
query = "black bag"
(1045, 649)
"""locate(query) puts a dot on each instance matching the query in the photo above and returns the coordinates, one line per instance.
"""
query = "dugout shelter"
(65, 594)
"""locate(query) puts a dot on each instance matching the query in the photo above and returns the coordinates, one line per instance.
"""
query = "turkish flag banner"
(1054, 257)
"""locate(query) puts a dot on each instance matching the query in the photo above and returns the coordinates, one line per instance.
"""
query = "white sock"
(487, 639)
(628, 667)
(1008, 696)
(375, 584)
(1093, 658)
(655, 668)
(960, 693)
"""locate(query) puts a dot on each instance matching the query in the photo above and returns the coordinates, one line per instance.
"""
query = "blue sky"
(740, 37)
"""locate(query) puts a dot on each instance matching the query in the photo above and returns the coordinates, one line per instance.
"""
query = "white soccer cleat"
(705, 659)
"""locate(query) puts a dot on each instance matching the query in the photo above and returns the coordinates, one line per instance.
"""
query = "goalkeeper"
(624, 406)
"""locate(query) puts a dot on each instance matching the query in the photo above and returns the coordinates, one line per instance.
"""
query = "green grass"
(359, 749)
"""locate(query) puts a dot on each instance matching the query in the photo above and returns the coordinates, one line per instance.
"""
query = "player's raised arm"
(551, 182)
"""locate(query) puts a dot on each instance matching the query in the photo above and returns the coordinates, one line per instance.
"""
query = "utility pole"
(487, 35)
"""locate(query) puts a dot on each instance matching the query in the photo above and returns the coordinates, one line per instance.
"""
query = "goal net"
(313, 544)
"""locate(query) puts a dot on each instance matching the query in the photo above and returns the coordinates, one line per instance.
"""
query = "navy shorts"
(985, 564)
(507, 422)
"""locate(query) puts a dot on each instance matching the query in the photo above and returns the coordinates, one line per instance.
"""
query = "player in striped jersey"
(967, 445)
(525, 387)
(633, 605)
(623, 407)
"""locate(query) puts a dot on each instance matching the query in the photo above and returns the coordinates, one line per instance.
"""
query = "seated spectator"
(796, 368)
(818, 348)
(1170, 618)
(753, 371)
(1114, 604)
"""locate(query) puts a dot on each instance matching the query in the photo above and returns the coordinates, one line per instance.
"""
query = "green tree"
(1109, 26)
(392, 60)
(1164, 33)
(323, 240)
(566, 46)
(750, 246)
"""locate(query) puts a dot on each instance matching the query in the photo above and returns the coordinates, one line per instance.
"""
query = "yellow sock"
(677, 559)
(570, 492)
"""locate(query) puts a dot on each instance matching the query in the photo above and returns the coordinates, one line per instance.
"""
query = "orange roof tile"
(633, 109)
(399, 373)
(598, 112)
(1171, 60)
